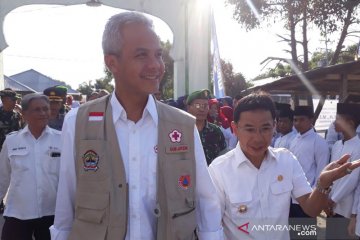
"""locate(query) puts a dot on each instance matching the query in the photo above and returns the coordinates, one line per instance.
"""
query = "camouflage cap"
(200, 94)
(8, 92)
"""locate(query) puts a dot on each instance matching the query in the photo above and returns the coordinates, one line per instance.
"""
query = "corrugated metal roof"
(38, 81)
(16, 86)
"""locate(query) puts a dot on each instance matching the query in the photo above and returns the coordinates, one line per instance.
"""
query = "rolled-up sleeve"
(208, 212)
(64, 211)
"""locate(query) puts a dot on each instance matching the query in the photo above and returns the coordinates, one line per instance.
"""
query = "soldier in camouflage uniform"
(10, 120)
(212, 138)
(57, 97)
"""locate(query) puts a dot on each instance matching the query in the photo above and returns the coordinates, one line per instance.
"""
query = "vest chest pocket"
(91, 162)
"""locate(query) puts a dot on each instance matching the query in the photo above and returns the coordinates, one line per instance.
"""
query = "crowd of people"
(127, 165)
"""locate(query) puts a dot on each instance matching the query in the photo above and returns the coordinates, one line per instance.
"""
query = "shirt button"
(133, 187)
(133, 216)
(134, 159)
(120, 185)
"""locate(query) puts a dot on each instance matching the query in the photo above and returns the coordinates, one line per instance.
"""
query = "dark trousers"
(336, 227)
(298, 217)
(16, 229)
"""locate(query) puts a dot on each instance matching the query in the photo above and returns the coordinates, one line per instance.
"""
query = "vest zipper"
(183, 213)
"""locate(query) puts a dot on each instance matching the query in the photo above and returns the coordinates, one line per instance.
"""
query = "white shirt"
(332, 136)
(312, 152)
(230, 138)
(342, 192)
(138, 143)
(265, 192)
(284, 141)
(29, 171)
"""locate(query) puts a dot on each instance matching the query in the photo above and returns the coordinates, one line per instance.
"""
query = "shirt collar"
(353, 140)
(26, 130)
(119, 112)
(309, 132)
(240, 157)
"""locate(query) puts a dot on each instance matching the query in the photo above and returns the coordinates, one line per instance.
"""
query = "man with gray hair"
(29, 170)
(133, 167)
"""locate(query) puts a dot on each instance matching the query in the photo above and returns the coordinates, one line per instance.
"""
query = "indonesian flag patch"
(96, 116)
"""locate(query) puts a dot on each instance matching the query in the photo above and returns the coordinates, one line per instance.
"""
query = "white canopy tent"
(188, 19)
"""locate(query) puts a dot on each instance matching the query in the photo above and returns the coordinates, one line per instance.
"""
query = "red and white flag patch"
(96, 116)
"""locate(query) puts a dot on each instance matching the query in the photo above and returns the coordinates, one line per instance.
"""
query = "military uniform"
(213, 141)
(212, 138)
(9, 122)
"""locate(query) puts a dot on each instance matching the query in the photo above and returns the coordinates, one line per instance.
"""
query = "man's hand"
(336, 170)
(329, 209)
(351, 227)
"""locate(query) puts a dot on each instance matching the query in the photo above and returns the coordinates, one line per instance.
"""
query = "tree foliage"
(234, 82)
(86, 88)
(336, 17)
(318, 59)
(167, 83)
(331, 17)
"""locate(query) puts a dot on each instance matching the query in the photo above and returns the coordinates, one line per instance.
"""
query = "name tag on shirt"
(177, 149)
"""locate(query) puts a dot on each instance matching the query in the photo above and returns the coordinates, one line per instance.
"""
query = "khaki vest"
(101, 199)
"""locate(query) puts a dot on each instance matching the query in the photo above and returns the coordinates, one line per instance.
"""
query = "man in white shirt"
(133, 54)
(342, 194)
(285, 127)
(310, 149)
(29, 170)
(254, 182)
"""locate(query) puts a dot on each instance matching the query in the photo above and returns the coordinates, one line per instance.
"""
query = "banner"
(218, 79)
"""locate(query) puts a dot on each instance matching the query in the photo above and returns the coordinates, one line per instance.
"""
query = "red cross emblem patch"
(175, 136)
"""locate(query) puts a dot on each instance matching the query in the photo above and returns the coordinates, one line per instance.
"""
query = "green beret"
(8, 92)
(54, 94)
(200, 94)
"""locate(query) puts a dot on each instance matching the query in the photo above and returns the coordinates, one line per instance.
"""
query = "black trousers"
(298, 217)
(16, 229)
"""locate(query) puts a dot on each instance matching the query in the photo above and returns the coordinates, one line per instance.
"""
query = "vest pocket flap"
(92, 207)
(97, 201)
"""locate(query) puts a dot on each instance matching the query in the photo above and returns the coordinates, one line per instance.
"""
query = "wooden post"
(344, 87)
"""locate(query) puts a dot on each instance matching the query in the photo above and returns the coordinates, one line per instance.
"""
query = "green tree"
(336, 17)
(331, 17)
(167, 83)
(86, 88)
(234, 82)
(105, 82)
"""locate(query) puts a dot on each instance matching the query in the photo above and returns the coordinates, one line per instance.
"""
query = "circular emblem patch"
(184, 181)
(91, 160)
